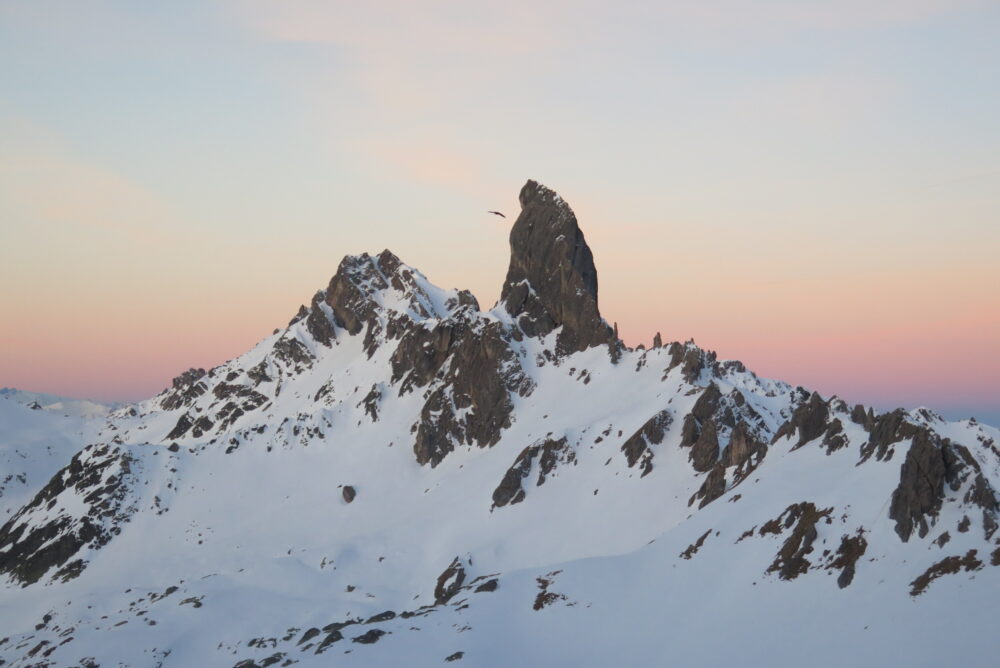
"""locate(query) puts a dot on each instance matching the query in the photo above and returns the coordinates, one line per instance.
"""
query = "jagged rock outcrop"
(549, 452)
(932, 462)
(886, 430)
(802, 518)
(809, 421)
(49, 532)
(477, 373)
(637, 446)
(743, 453)
(552, 281)
(449, 582)
(185, 388)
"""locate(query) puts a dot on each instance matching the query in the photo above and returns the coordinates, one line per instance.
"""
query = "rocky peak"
(552, 281)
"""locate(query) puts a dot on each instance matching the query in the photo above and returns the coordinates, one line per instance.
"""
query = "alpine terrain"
(400, 478)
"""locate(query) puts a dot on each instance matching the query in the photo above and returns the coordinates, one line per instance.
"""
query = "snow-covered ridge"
(399, 478)
(64, 406)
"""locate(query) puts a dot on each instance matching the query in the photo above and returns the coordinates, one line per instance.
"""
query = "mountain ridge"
(398, 475)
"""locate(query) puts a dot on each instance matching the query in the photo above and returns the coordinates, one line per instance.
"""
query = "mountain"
(401, 478)
(34, 445)
(65, 406)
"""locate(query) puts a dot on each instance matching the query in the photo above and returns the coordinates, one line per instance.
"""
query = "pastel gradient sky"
(810, 187)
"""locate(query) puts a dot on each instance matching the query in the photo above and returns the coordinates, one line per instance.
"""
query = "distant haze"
(811, 188)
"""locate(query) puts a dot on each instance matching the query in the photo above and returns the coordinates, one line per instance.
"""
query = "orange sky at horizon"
(811, 188)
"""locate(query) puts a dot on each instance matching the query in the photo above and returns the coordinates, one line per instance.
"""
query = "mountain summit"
(398, 477)
(552, 280)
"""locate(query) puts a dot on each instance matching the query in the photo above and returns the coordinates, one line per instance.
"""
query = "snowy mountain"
(401, 478)
(65, 406)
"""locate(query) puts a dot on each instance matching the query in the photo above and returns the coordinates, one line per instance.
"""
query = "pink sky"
(812, 190)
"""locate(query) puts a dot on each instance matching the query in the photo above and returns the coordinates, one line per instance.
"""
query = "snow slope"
(400, 478)
(34, 444)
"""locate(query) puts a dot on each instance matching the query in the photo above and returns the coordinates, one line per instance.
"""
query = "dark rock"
(657, 341)
(887, 429)
(930, 463)
(744, 451)
(369, 637)
(946, 566)
(705, 451)
(318, 323)
(834, 438)
(692, 549)
(184, 389)
(802, 518)
(349, 493)
(454, 657)
(708, 403)
(546, 597)
(371, 402)
(449, 582)
(851, 549)
(551, 281)
(481, 375)
(489, 585)
(694, 361)
(690, 431)
(98, 474)
(636, 448)
(293, 354)
(921, 486)
(201, 426)
(809, 420)
(865, 418)
(308, 635)
(184, 424)
(712, 488)
(548, 452)
(187, 378)
(381, 617)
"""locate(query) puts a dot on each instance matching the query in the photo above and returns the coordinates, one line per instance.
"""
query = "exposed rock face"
(886, 430)
(449, 582)
(636, 448)
(809, 421)
(187, 378)
(476, 374)
(185, 388)
(552, 281)
(921, 486)
(46, 533)
(947, 566)
(851, 549)
(548, 453)
(744, 452)
(930, 464)
(349, 493)
(705, 450)
(713, 487)
(802, 518)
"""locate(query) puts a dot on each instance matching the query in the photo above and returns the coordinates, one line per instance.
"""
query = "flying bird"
(497, 213)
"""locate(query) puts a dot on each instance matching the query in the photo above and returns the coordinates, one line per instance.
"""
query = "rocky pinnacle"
(552, 281)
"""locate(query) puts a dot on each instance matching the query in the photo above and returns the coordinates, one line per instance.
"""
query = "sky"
(810, 187)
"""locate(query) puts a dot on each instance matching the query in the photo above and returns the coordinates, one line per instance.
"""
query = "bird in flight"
(497, 213)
